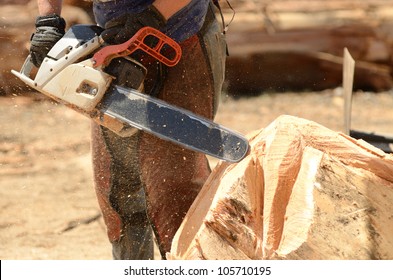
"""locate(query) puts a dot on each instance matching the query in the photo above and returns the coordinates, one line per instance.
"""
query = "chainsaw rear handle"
(165, 50)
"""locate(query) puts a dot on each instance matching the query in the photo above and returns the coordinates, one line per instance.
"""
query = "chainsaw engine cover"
(76, 36)
(66, 76)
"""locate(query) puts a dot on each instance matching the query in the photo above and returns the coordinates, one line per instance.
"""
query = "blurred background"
(285, 57)
(278, 45)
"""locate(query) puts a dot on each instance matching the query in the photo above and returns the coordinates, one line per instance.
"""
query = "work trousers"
(144, 184)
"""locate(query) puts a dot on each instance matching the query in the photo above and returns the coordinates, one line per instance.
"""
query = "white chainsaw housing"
(66, 74)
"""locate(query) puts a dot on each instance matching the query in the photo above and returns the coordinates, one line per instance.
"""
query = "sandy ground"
(48, 207)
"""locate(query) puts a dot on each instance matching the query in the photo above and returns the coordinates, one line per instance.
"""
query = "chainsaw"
(74, 73)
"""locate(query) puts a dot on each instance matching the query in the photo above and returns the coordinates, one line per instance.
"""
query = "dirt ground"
(48, 207)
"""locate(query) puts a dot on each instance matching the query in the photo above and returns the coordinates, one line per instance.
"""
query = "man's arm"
(48, 7)
(169, 7)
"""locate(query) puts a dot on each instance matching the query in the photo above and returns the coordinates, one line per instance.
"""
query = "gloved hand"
(121, 29)
(49, 30)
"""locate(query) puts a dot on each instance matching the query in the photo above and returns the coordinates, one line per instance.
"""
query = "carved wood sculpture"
(303, 192)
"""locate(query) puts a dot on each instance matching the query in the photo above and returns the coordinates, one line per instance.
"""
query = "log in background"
(298, 45)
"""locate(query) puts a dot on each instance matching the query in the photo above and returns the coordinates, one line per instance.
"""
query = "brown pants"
(143, 182)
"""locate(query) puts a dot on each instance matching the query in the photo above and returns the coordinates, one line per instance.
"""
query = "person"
(146, 185)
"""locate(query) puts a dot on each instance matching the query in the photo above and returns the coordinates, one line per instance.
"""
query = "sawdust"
(47, 202)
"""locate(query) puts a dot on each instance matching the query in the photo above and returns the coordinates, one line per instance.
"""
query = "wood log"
(273, 44)
(291, 70)
(303, 192)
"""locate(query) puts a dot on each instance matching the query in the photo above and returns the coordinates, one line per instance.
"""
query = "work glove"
(49, 30)
(121, 29)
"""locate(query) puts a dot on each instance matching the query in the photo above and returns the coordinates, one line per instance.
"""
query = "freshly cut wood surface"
(303, 192)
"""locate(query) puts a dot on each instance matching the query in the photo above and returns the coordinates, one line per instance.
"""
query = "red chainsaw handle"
(165, 49)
